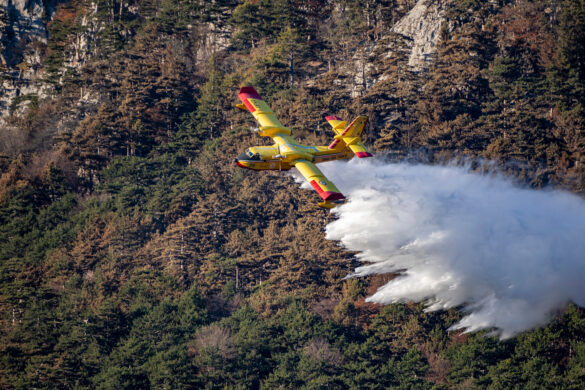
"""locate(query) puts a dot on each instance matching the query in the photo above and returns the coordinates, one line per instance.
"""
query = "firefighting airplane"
(287, 153)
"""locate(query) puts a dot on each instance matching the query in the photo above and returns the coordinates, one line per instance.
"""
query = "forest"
(135, 255)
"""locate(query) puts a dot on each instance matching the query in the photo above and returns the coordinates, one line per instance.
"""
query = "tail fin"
(351, 137)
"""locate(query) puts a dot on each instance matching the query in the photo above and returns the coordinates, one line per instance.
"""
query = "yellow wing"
(253, 102)
(320, 183)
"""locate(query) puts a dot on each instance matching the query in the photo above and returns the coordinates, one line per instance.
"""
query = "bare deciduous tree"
(319, 349)
(214, 338)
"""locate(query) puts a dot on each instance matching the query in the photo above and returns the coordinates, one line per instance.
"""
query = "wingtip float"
(286, 153)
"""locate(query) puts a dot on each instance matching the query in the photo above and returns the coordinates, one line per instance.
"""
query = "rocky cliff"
(422, 25)
(23, 40)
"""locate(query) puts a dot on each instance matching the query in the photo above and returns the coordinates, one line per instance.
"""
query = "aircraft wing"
(320, 183)
(253, 102)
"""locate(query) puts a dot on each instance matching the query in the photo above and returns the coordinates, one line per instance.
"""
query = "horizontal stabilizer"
(337, 124)
(360, 150)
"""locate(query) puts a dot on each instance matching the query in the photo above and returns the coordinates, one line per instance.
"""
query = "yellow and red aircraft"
(286, 153)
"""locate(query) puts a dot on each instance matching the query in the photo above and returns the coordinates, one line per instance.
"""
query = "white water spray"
(512, 258)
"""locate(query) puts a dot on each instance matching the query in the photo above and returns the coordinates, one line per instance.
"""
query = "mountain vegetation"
(134, 254)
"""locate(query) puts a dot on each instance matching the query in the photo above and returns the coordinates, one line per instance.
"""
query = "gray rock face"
(417, 34)
(214, 39)
(23, 35)
(22, 22)
(422, 24)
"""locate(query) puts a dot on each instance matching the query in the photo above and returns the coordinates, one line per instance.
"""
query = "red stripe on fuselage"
(243, 166)
(363, 154)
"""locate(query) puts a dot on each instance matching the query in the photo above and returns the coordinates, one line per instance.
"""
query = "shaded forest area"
(133, 254)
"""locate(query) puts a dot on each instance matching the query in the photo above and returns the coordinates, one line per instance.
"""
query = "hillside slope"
(133, 254)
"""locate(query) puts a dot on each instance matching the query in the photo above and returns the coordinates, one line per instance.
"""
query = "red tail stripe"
(333, 144)
(349, 126)
(332, 118)
(363, 154)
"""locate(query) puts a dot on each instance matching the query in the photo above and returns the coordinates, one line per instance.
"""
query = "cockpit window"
(249, 156)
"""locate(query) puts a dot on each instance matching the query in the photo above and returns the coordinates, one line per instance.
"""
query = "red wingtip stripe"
(249, 105)
(332, 118)
(249, 93)
(330, 195)
(363, 154)
(317, 187)
(326, 195)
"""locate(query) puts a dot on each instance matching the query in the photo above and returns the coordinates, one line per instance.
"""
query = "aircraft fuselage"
(285, 150)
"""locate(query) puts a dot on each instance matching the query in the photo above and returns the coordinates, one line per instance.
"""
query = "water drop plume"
(511, 258)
